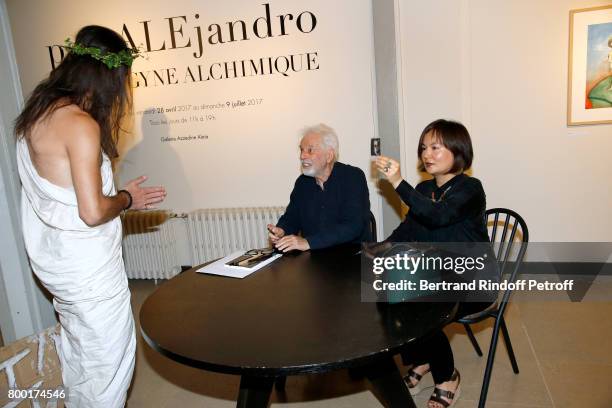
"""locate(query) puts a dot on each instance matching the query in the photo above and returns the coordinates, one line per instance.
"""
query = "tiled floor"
(562, 348)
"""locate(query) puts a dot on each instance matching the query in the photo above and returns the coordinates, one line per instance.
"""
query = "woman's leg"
(434, 351)
(435, 354)
(440, 357)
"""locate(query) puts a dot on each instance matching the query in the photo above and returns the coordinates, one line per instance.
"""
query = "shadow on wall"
(386, 190)
(143, 222)
(148, 154)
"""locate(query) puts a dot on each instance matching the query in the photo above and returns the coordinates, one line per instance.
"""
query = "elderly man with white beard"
(329, 204)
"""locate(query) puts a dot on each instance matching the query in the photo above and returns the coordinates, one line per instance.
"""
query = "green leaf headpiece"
(110, 59)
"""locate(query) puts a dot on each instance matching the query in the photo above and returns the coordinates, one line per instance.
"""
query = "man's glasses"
(262, 251)
(251, 257)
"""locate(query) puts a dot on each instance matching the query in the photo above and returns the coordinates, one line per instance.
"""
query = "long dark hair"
(102, 92)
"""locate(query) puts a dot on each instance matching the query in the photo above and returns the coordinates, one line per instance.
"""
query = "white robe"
(83, 269)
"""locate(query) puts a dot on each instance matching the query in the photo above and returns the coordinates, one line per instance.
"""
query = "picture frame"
(589, 94)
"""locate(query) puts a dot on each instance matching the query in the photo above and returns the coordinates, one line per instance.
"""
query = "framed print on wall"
(589, 94)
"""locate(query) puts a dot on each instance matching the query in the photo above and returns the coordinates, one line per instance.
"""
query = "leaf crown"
(110, 59)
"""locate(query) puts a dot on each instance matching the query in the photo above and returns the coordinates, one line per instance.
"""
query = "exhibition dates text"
(197, 108)
(163, 116)
(230, 104)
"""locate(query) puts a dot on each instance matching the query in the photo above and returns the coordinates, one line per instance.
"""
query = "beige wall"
(251, 156)
(500, 67)
(24, 307)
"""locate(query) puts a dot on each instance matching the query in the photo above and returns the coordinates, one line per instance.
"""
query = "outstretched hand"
(143, 198)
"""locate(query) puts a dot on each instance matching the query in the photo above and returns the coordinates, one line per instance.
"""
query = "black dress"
(453, 212)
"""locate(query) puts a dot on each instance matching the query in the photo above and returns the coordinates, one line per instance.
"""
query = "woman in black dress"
(448, 208)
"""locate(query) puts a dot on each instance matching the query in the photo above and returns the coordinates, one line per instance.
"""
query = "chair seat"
(478, 316)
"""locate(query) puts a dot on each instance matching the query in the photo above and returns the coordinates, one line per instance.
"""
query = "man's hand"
(291, 242)
(144, 198)
(275, 233)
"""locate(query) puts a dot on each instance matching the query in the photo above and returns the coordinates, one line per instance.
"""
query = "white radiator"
(214, 233)
(151, 244)
(157, 243)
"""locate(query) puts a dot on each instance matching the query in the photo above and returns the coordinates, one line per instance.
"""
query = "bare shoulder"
(66, 134)
(75, 124)
(63, 124)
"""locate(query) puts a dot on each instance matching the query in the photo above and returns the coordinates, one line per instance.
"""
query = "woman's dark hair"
(102, 92)
(455, 137)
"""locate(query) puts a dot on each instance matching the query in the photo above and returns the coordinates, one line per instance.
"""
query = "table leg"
(254, 392)
(280, 383)
(388, 383)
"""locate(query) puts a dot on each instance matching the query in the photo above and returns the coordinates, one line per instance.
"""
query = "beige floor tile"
(421, 402)
(361, 400)
(569, 331)
(560, 333)
(577, 385)
(179, 376)
(462, 403)
(326, 390)
(463, 347)
(189, 399)
(525, 388)
(330, 385)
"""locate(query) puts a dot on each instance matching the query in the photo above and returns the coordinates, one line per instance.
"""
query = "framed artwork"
(589, 94)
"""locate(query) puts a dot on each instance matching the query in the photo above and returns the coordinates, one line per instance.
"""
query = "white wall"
(257, 166)
(251, 155)
(24, 308)
(500, 67)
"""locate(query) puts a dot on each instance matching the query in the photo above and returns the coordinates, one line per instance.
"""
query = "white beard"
(309, 171)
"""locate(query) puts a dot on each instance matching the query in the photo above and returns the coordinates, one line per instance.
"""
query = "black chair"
(508, 229)
(373, 227)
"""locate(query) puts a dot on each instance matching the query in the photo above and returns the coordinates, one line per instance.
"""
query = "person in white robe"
(70, 213)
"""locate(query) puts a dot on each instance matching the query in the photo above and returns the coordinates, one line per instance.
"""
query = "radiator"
(151, 242)
(214, 233)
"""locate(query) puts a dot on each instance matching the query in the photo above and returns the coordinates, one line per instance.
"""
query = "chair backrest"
(373, 227)
(509, 236)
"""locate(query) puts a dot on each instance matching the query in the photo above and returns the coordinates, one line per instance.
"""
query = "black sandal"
(438, 394)
(415, 386)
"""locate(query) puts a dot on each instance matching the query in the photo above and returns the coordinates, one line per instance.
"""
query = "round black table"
(300, 314)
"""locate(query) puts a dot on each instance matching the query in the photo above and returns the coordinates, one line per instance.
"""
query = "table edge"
(284, 371)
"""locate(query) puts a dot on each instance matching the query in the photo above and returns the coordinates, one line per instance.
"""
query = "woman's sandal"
(413, 381)
(439, 394)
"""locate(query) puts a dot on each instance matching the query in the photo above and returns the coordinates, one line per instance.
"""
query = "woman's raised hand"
(390, 169)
